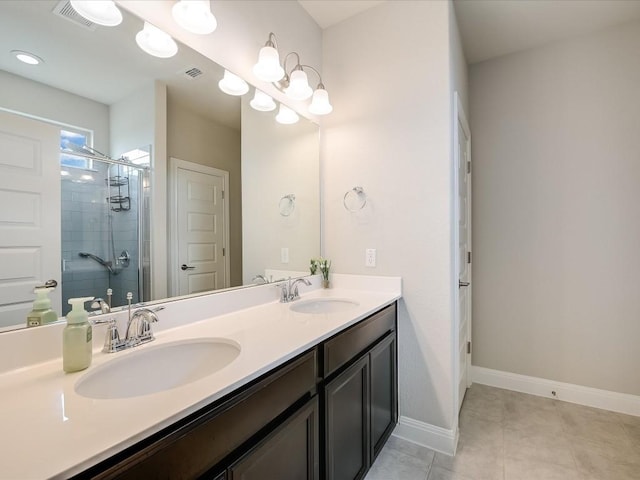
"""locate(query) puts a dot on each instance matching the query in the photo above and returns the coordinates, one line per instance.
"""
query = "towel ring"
(287, 205)
(355, 199)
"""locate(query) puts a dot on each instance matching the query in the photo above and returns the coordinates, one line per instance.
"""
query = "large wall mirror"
(133, 173)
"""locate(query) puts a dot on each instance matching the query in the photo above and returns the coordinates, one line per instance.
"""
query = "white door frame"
(459, 118)
(174, 165)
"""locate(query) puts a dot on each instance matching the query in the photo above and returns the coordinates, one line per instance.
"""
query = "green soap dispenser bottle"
(76, 337)
(41, 313)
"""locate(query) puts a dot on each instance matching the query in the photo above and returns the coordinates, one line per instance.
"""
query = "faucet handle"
(112, 341)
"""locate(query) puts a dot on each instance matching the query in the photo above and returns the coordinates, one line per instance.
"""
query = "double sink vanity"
(236, 385)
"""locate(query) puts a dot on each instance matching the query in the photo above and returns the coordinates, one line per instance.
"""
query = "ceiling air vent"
(193, 72)
(65, 10)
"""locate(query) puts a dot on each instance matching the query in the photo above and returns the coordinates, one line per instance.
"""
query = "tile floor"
(506, 435)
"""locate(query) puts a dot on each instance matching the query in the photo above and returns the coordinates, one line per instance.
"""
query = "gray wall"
(555, 211)
(196, 139)
(389, 73)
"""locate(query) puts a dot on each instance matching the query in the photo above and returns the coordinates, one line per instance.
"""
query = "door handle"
(186, 267)
(463, 284)
(49, 284)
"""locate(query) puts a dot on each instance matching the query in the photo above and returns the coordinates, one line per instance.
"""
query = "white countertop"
(49, 431)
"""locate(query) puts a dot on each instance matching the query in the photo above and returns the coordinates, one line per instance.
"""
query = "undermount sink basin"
(157, 368)
(323, 305)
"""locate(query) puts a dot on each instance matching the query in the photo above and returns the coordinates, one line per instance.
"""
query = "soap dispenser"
(41, 313)
(76, 337)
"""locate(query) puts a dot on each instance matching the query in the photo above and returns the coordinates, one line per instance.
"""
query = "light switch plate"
(284, 255)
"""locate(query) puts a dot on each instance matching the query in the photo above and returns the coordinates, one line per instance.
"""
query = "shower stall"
(104, 228)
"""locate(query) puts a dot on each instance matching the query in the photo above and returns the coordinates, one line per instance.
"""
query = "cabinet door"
(289, 453)
(347, 423)
(384, 392)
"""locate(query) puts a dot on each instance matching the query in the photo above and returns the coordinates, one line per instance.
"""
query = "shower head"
(102, 262)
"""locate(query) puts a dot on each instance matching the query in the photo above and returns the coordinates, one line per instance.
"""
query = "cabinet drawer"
(203, 442)
(347, 345)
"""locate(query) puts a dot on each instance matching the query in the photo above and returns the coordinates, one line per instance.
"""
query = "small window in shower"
(71, 141)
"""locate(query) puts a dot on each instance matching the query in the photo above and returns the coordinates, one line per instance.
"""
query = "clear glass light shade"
(232, 84)
(156, 42)
(262, 102)
(194, 16)
(268, 67)
(320, 103)
(102, 12)
(286, 116)
(298, 88)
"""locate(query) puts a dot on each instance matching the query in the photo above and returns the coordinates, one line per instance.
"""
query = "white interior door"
(463, 165)
(30, 251)
(201, 228)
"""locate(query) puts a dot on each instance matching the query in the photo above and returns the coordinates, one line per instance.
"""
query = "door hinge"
(223, 194)
(223, 251)
(468, 347)
(468, 167)
(468, 257)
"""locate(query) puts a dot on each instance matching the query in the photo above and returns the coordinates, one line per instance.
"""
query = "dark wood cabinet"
(384, 392)
(289, 453)
(346, 401)
(278, 427)
(361, 398)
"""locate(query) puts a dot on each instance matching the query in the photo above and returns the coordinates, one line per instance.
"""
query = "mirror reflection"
(129, 173)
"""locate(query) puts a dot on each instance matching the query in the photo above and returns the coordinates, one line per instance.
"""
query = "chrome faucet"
(102, 305)
(260, 280)
(289, 290)
(138, 330)
(139, 326)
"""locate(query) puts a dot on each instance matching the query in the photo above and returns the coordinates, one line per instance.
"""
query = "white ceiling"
(105, 64)
(329, 12)
(491, 28)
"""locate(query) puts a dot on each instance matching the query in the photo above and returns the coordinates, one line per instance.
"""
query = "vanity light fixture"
(293, 82)
(26, 57)
(232, 84)
(262, 102)
(194, 16)
(286, 116)
(156, 42)
(102, 12)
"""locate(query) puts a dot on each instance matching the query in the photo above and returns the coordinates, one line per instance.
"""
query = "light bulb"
(194, 16)
(320, 102)
(102, 12)
(232, 84)
(156, 42)
(262, 102)
(298, 88)
(268, 67)
(286, 116)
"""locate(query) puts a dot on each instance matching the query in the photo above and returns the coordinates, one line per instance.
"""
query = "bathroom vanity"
(312, 394)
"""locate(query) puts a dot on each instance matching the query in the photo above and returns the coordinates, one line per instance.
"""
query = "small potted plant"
(323, 266)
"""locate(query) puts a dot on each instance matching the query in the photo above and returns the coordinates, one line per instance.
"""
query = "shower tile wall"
(84, 229)
(125, 232)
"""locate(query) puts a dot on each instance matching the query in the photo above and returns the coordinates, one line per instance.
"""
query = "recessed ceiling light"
(26, 57)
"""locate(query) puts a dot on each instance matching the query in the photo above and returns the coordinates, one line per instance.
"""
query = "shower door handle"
(186, 267)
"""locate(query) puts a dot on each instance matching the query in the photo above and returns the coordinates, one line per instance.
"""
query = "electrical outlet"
(284, 255)
(370, 257)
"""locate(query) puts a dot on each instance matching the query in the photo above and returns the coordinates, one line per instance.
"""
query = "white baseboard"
(436, 438)
(591, 397)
